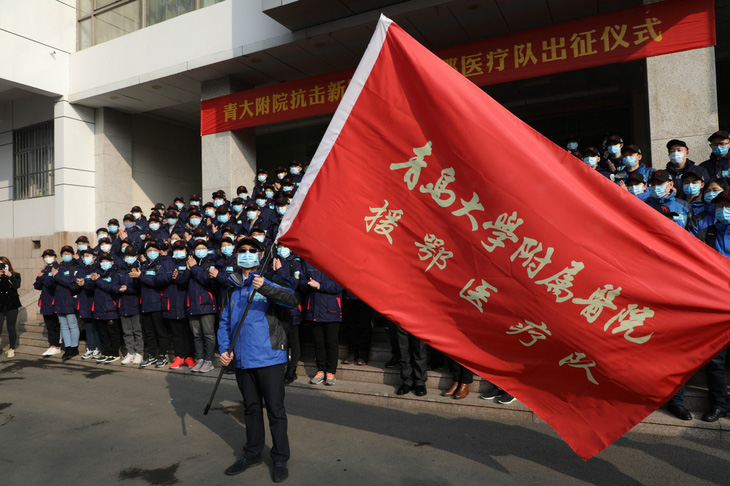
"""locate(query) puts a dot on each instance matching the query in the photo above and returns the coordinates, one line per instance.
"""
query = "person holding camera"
(9, 302)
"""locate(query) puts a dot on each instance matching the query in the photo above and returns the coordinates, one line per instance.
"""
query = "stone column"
(228, 158)
(682, 92)
(113, 153)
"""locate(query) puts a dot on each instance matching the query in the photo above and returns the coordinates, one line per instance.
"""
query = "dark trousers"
(393, 335)
(110, 335)
(259, 387)
(461, 375)
(182, 337)
(357, 327)
(156, 333)
(295, 349)
(326, 345)
(203, 332)
(716, 383)
(413, 359)
(53, 329)
(12, 316)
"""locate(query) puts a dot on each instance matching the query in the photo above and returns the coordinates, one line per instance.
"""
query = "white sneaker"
(51, 351)
(88, 354)
(96, 354)
(137, 359)
(11, 353)
(207, 366)
(127, 359)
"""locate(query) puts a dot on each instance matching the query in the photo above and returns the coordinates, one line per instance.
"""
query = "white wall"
(222, 31)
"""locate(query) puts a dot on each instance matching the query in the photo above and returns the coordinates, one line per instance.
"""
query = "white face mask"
(137, 215)
(105, 248)
(49, 260)
(259, 237)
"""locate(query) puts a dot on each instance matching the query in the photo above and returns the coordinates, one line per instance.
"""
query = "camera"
(3, 266)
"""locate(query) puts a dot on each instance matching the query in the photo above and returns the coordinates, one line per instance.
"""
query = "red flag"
(456, 220)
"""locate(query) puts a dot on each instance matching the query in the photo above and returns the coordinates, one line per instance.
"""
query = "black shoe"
(506, 399)
(420, 390)
(392, 362)
(714, 415)
(242, 464)
(148, 362)
(349, 360)
(289, 378)
(280, 472)
(679, 411)
(66, 355)
(404, 390)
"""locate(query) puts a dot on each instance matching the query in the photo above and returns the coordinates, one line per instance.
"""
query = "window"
(103, 20)
(33, 161)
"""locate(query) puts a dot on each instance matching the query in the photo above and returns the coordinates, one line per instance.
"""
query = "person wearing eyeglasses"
(717, 164)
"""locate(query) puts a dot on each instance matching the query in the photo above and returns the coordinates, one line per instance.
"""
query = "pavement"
(79, 423)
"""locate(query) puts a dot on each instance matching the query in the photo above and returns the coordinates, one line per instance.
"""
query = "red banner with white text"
(637, 33)
(539, 274)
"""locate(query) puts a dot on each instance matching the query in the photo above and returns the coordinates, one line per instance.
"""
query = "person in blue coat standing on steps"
(47, 285)
(65, 302)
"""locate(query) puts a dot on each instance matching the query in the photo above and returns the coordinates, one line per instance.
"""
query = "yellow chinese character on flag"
(615, 34)
(229, 111)
(497, 57)
(280, 102)
(263, 104)
(472, 65)
(297, 99)
(646, 30)
(524, 55)
(316, 95)
(246, 109)
(555, 50)
(335, 90)
(582, 43)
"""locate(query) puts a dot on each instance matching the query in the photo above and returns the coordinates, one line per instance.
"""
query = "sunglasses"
(252, 250)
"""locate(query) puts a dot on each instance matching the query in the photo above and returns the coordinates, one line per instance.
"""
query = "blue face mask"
(223, 218)
(630, 160)
(227, 250)
(722, 215)
(251, 215)
(130, 260)
(591, 161)
(709, 196)
(261, 178)
(113, 228)
(269, 194)
(614, 149)
(83, 247)
(247, 260)
(295, 170)
(195, 203)
(105, 265)
(87, 260)
(66, 258)
(210, 213)
(658, 191)
(261, 202)
(218, 203)
(171, 221)
(201, 253)
(287, 188)
(237, 208)
(154, 226)
(719, 150)
(676, 158)
(178, 254)
(573, 146)
(281, 210)
(128, 225)
(179, 205)
(636, 189)
(152, 255)
(195, 222)
(691, 189)
(283, 252)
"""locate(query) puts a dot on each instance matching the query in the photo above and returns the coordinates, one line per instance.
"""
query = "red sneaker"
(176, 363)
(190, 362)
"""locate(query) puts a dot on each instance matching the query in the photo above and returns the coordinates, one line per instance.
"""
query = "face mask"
(283, 251)
(179, 205)
(676, 158)
(288, 188)
(636, 189)
(171, 221)
(722, 215)
(105, 248)
(66, 258)
(201, 238)
(259, 237)
(281, 210)
(227, 250)
(223, 218)
(242, 195)
(137, 215)
(281, 175)
(178, 254)
(130, 260)
(251, 215)
(614, 149)
(152, 255)
(261, 202)
(105, 265)
(709, 196)
(195, 203)
(295, 170)
(194, 222)
(210, 213)
(113, 228)
(218, 203)
(247, 260)
(591, 161)
(128, 225)
(49, 260)
(201, 253)
(719, 151)
(237, 208)
(630, 160)
(691, 189)
(658, 191)
(269, 194)
(87, 260)
(83, 247)
(210, 252)
(573, 146)
(154, 226)
(261, 178)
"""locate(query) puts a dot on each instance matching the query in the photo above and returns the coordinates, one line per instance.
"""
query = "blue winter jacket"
(717, 166)
(85, 293)
(323, 304)
(226, 266)
(150, 289)
(129, 300)
(65, 302)
(106, 294)
(682, 208)
(290, 272)
(47, 285)
(202, 288)
(174, 293)
(262, 340)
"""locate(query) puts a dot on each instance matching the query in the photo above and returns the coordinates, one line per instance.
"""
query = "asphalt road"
(93, 424)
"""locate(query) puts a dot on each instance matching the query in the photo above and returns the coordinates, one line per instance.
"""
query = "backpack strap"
(711, 235)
